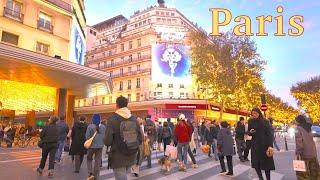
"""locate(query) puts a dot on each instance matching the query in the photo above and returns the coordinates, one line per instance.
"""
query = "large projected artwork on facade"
(170, 63)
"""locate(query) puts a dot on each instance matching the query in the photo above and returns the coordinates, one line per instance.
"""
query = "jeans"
(276, 145)
(166, 141)
(48, 148)
(97, 152)
(229, 162)
(121, 173)
(213, 147)
(78, 161)
(241, 146)
(191, 156)
(248, 147)
(60, 150)
(183, 152)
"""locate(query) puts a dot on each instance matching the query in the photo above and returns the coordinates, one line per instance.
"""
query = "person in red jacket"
(182, 133)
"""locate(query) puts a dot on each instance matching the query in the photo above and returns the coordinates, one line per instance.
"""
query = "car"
(315, 130)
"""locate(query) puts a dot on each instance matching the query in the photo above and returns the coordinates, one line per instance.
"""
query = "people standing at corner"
(182, 133)
(78, 137)
(151, 131)
(239, 137)
(211, 134)
(63, 132)
(262, 140)
(306, 149)
(48, 143)
(225, 148)
(96, 147)
(120, 157)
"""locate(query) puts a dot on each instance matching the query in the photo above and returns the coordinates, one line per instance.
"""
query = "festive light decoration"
(23, 97)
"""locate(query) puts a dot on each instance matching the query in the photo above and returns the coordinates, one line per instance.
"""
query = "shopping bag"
(299, 165)
(171, 151)
(87, 143)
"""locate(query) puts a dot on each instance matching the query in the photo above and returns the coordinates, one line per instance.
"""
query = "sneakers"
(50, 174)
(39, 171)
(222, 172)
(90, 177)
(194, 166)
(229, 174)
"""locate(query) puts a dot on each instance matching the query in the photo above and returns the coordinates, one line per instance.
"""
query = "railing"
(61, 4)
(10, 13)
(127, 61)
(45, 25)
(131, 73)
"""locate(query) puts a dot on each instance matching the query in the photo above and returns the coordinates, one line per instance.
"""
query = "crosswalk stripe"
(181, 175)
(237, 170)
(157, 167)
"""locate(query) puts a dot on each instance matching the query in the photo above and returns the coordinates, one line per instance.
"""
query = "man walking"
(240, 142)
(124, 136)
(63, 132)
(151, 131)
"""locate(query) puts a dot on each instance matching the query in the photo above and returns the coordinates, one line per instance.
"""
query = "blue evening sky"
(290, 59)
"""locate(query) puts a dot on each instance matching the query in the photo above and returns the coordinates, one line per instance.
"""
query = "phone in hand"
(252, 130)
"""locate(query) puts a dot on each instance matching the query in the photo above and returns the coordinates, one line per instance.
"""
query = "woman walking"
(48, 143)
(78, 137)
(98, 131)
(225, 148)
(166, 135)
(306, 150)
(262, 140)
(182, 133)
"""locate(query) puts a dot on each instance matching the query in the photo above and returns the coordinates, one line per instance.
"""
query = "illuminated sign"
(171, 63)
(77, 48)
(170, 34)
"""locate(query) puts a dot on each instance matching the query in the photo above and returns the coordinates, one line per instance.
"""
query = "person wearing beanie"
(98, 131)
(306, 149)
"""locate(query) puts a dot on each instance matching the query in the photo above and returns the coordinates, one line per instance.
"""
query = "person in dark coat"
(49, 143)
(262, 140)
(225, 147)
(241, 143)
(210, 137)
(78, 137)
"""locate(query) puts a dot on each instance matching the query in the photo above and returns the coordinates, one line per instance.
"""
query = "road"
(20, 164)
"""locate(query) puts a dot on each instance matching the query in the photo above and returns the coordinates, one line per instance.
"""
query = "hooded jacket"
(183, 132)
(92, 128)
(112, 138)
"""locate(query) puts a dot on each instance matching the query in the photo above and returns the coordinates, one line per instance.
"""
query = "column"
(60, 106)
(70, 115)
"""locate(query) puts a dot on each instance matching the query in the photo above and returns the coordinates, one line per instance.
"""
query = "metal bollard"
(285, 143)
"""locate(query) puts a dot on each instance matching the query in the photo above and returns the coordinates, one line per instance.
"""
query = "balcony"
(127, 61)
(45, 25)
(10, 13)
(61, 4)
(131, 73)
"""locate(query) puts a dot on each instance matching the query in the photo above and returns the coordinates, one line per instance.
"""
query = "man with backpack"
(151, 131)
(124, 136)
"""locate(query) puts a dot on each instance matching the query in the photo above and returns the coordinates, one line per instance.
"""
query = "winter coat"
(171, 126)
(240, 131)
(113, 139)
(183, 132)
(165, 133)
(261, 140)
(78, 136)
(50, 134)
(150, 130)
(211, 134)
(225, 142)
(305, 146)
(63, 130)
(98, 139)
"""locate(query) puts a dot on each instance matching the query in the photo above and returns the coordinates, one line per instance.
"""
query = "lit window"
(42, 48)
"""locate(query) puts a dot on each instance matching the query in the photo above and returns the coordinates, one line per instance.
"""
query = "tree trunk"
(221, 112)
(237, 114)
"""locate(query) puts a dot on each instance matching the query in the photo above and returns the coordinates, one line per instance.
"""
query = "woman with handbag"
(306, 149)
(262, 140)
(95, 133)
(78, 137)
(48, 143)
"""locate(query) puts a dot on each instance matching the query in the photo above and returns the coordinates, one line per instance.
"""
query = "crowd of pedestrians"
(130, 140)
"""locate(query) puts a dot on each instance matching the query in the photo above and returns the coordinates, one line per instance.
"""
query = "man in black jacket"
(241, 144)
(119, 160)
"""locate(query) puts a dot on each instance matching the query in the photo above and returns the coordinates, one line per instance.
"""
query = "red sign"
(186, 106)
(264, 107)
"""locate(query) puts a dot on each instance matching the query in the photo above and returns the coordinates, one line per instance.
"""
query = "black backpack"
(129, 143)
(166, 132)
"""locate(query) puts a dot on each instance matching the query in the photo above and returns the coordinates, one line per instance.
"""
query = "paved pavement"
(20, 164)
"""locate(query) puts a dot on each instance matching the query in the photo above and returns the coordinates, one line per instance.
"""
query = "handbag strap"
(94, 135)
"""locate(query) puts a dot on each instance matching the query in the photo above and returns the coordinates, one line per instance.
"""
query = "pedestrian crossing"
(208, 169)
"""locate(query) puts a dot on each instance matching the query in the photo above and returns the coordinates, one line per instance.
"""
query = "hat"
(96, 119)
(182, 117)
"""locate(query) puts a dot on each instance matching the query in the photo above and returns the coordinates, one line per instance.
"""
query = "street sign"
(264, 107)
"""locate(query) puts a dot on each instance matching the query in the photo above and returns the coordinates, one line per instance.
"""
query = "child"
(225, 147)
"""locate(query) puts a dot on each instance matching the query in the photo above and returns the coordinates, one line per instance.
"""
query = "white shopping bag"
(171, 151)
(299, 165)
